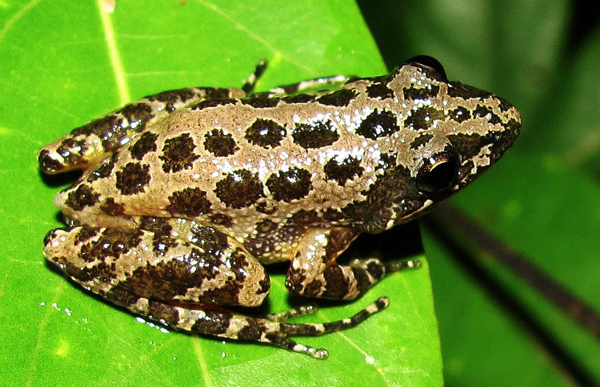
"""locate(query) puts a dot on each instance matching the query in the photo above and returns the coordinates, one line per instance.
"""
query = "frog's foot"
(215, 321)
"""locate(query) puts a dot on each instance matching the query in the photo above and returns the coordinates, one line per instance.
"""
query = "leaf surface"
(69, 62)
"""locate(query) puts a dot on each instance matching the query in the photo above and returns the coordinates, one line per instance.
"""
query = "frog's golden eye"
(438, 173)
(430, 63)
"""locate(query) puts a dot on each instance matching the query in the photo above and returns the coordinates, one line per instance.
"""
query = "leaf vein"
(113, 52)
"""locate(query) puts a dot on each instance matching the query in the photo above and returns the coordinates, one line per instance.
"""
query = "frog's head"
(451, 133)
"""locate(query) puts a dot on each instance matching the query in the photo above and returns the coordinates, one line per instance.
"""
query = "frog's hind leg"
(92, 142)
(214, 321)
(127, 264)
(182, 285)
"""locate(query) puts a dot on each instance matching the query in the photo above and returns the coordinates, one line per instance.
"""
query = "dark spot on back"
(315, 135)
(386, 161)
(265, 133)
(239, 189)
(379, 90)
(423, 118)
(82, 197)
(460, 114)
(420, 141)
(339, 98)
(133, 178)
(111, 208)
(378, 124)
(289, 185)
(210, 103)
(421, 93)
(219, 143)
(261, 102)
(299, 98)
(178, 153)
(483, 111)
(146, 143)
(343, 170)
(458, 90)
(468, 145)
(189, 201)
(266, 207)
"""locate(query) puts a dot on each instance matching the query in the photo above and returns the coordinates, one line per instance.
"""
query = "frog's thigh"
(141, 264)
(313, 271)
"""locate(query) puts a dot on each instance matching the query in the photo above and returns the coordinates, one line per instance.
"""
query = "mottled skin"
(186, 194)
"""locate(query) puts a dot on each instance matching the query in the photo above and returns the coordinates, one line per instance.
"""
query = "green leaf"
(548, 230)
(65, 63)
(542, 197)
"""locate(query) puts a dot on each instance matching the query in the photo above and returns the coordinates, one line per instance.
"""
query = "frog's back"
(269, 167)
(248, 158)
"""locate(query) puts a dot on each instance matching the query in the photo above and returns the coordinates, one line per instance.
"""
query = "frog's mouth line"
(394, 220)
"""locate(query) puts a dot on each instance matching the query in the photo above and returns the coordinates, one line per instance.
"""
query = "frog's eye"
(429, 62)
(438, 173)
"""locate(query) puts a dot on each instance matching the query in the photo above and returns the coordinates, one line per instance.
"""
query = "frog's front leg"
(314, 271)
(89, 143)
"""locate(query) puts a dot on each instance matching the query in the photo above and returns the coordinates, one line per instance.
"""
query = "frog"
(186, 195)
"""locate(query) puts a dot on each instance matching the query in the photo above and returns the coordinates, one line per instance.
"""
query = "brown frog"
(186, 194)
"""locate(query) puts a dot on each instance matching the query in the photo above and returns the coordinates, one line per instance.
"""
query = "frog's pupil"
(438, 175)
